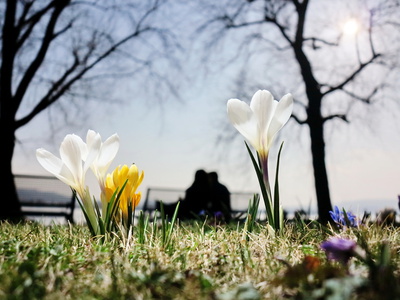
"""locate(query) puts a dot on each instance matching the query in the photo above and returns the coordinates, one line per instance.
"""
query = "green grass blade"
(171, 225)
(142, 227)
(163, 224)
(251, 218)
(277, 209)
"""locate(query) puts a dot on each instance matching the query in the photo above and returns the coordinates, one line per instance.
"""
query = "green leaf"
(265, 194)
(278, 215)
(99, 218)
(142, 227)
(113, 207)
(252, 211)
(131, 211)
(89, 224)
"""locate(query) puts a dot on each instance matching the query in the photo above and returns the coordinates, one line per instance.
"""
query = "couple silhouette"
(205, 196)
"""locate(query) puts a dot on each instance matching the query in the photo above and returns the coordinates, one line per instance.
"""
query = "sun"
(351, 27)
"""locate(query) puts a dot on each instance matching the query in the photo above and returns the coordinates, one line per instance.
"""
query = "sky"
(170, 142)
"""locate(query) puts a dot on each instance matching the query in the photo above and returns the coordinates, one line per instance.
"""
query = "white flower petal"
(91, 134)
(282, 114)
(67, 177)
(49, 161)
(70, 154)
(55, 166)
(93, 144)
(263, 106)
(82, 146)
(92, 138)
(244, 120)
(107, 153)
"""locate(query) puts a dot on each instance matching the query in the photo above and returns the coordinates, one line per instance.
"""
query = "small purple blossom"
(218, 215)
(339, 249)
(336, 215)
(341, 219)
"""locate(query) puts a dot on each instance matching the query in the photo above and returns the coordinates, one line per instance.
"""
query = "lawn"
(198, 260)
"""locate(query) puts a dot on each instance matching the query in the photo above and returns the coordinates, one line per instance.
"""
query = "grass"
(200, 261)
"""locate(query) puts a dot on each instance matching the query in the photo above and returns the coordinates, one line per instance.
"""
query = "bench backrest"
(33, 188)
(45, 196)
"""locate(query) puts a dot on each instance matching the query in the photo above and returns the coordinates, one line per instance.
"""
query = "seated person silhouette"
(196, 197)
(220, 198)
(195, 200)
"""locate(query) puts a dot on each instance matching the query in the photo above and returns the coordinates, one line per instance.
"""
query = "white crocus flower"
(260, 121)
(106, 154)
(69, 169)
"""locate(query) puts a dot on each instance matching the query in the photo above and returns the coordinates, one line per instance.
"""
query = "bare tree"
(58, 44)
(303, 47)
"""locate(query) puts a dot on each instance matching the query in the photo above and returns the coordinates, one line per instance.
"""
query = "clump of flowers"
(119, 196)
(343, 218)
(259, 122)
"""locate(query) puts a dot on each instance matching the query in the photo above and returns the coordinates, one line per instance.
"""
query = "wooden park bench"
(45, 196)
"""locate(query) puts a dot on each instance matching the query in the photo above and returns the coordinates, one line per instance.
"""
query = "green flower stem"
(88, 208)
(264, 191)
(272, 205)
(263, 163)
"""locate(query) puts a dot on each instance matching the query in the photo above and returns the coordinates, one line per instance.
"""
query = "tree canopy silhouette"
(56, 44)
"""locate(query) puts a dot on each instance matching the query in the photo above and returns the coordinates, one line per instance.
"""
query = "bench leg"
(70, 219)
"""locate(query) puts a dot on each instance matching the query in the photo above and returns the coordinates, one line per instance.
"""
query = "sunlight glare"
(351, 27)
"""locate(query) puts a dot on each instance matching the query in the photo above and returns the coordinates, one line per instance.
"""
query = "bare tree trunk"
(10, 206)
(320, 174)
(315, 122)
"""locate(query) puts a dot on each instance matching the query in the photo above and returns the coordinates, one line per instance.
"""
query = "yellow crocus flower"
(117, 179)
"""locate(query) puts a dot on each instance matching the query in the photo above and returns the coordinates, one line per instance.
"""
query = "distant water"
(372, 206)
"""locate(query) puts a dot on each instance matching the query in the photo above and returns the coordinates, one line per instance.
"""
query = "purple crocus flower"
(339, 218)
(336, 215)
(339, 249)
(218, 215)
